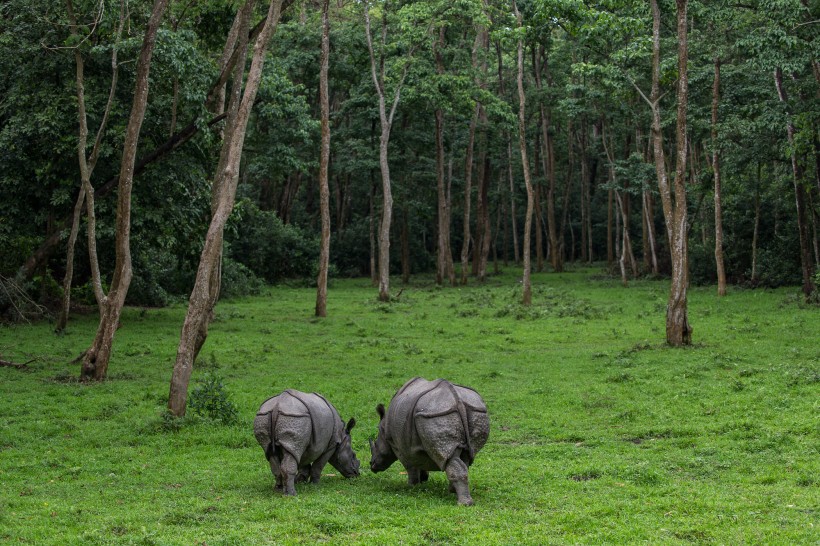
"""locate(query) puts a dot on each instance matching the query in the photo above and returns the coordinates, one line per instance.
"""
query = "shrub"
(269, 248)
(210, 399)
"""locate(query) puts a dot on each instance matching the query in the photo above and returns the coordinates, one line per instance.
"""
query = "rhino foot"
(466, 501)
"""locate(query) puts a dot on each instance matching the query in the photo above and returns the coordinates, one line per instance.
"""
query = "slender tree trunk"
(721, 272)
(483, 248)
(799, 195)
(405, 247)
(649, 219)
(584, 190)
(87, 165)
(444, 256)
(522, 142)
(513, 214)
(757, 225)
(96, 358)
(468, 188)
(374, 274)
(539, 242)
(208, 278)
(610, 251)
(324, 161)
(386, 120)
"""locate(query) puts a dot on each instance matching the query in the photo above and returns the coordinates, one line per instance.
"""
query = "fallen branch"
(9, 364)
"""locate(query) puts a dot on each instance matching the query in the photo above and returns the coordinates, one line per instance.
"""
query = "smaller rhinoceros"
(432, 425)
(300, 434)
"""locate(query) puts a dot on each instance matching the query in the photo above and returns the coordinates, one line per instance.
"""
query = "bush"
(269, 248)
(211, 400)
(238, 280)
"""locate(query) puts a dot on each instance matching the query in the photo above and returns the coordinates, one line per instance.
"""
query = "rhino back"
(307, 427)
(300, 423)
(428, 424)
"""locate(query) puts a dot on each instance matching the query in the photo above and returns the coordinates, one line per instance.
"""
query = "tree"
(324, 161)
(208, 278)
(377, 71)
(96, 358)
(87, 165)
(522, 142)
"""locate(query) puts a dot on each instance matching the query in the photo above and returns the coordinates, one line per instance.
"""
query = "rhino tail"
(465, 423)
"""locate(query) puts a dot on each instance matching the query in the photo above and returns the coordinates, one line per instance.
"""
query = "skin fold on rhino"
(300, 433)
(430, 426)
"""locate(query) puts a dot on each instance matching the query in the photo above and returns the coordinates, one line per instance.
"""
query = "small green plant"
(210, 399)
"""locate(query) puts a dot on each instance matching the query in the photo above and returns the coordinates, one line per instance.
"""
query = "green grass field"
(600, 434)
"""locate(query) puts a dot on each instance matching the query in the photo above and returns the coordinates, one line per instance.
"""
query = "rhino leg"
(456, 471)
(318, 465)
(287, 472)
(416, 476)
(304, 474)
(273, 461)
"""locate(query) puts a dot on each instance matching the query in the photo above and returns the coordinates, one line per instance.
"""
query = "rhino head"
(381, 454)
(344, 459)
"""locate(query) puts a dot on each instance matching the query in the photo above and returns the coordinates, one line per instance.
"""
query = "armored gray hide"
(434, 425)
(300, 433)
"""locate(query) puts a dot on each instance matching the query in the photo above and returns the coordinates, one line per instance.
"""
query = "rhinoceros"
(432, 425)
(300, 433)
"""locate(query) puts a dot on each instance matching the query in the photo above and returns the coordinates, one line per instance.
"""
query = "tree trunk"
(799, 195)
(513, 218)
(386, 120)
(206, 286)
(405, 247)
(757, 225)
(468, 188)
(444, 258)
(522, 142)
(483, 247)
(721, 272)
(324, 161)
(374, 276)
(96, 358)
(539, 242)
(87, 165)
(678, 331)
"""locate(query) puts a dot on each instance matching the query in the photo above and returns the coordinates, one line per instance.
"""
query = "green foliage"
(271, 249)
(209, 398)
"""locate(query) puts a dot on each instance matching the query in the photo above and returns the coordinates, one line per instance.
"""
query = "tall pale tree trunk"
(324, 162)
(678, 330)
(800, 196)
(96, 358)
(468, 187)
(206, 286)
(87, 165)
(386, 120)
(444, 258)
(522, 142)
(721, 272)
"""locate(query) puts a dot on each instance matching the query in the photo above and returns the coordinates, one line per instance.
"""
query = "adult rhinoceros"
(300, 434)
(432, 425)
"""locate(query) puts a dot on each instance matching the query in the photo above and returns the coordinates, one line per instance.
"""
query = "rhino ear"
(380, 411)
(350, 425)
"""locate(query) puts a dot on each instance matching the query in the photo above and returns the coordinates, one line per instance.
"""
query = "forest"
(424, 170)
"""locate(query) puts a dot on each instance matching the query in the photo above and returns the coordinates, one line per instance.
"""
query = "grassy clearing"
(599, 433)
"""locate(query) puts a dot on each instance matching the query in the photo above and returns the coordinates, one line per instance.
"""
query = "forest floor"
(600, 433)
